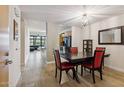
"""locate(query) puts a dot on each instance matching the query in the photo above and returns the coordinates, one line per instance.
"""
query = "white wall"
(36, 26)
(22, 42)
(52, 40)
(38, 33)
(77, 38)
(25, 45)
(116, 59)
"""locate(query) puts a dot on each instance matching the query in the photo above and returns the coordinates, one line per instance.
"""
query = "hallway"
(32, 72)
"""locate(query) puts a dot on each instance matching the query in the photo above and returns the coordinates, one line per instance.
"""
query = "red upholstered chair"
(100, 48)
(96, 64)
(62, 66)
(74, 50)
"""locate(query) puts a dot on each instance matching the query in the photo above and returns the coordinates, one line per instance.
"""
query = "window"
(38, 41)
(43, 40)
(31, 40)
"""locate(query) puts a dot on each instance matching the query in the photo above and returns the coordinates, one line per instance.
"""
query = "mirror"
(111, 36)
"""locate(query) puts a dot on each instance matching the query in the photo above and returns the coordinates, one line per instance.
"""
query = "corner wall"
(77, 38)
(24, 43)
(27, 43)
(52, 40)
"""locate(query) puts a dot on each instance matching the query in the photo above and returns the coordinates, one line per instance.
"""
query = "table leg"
(76, 76)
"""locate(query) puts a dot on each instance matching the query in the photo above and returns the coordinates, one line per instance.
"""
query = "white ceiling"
(70, 15)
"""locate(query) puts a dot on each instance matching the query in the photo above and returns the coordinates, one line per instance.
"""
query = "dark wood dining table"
(76, 58)
(79, 58)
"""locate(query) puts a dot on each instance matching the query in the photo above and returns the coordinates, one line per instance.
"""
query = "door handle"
(8, 61)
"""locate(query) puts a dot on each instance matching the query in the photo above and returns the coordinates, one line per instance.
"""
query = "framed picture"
(15, 30)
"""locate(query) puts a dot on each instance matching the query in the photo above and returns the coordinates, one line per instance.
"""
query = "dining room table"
(78, 59)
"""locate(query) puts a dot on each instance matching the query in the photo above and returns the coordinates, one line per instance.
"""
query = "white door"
(9, 45)
(14, 45)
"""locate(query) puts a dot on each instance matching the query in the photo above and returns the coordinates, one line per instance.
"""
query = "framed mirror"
(111, 36)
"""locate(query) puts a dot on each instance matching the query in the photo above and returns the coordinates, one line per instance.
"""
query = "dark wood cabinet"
(87, 46)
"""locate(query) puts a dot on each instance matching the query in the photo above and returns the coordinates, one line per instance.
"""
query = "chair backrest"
(100, 48)
(57, 58)
(98, 58)
(74, 50)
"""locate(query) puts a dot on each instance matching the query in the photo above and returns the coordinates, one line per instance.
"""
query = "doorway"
(36, 59)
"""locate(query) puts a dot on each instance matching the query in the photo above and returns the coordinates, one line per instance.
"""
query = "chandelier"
(85, 21)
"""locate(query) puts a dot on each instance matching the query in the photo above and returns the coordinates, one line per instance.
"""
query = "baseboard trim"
(26, 59)
(14, 84)
(18, 79)
(115, 68)
(50, 62)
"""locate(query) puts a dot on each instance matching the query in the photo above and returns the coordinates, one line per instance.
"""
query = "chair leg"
(93, 76)
(60, 77)
(90, 70)
(66, 71)
(103, 63)
(76, 68)
(84, 68)
(81, 70)
(56, 72)
(76, 76)
(73, 73)
(101, 74)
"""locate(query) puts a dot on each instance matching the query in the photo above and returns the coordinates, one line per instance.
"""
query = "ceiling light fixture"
(84, 20)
